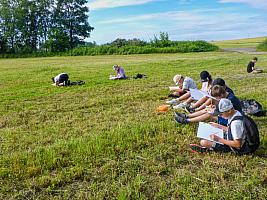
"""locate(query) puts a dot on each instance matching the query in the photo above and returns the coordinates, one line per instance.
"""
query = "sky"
(181, 19)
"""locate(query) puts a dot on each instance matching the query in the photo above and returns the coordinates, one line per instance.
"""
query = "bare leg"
(184, 96)
(206, 143)
(200, 102)
(196, 114)
(200, 118)
(203, 106)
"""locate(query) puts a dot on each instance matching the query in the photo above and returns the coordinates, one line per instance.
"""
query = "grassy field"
(104, 139)
(241, 43)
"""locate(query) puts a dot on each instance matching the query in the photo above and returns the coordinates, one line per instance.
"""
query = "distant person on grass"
(251, 66)
(184, 84)
(234, 137)
(120, 74)
(61, 80)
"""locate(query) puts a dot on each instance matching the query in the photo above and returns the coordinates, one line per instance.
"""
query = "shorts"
(63, 77)
(222, 147)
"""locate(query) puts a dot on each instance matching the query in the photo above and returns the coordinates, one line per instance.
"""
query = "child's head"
(205, 76)
(178, 79)
(115, 67)
(218, 92)
(226, 108)
(254, 59)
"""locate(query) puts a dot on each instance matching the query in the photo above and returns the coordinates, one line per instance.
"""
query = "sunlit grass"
(105, 139)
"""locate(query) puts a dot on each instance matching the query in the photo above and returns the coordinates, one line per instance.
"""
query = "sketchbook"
(198, 94)
(205, 130)
(174, 88)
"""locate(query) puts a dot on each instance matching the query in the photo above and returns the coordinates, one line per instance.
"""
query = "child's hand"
(214, 124)
(215, 137)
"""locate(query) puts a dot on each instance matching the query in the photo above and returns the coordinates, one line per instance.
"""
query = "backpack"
(139, 76)
(252, 107)
(252, 138)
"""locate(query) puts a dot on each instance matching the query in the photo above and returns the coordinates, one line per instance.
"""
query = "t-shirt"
(205, 87)
(250, 66)
(235, 101)
(120, 73)
(227, 89)
(237, 128)
(189, 83)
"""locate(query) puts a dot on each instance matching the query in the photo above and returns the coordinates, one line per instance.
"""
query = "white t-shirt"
(237, 128)
(189, 83)
(206, 87)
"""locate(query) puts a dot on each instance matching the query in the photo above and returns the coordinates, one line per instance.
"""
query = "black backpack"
(252, 107)
(252, 138)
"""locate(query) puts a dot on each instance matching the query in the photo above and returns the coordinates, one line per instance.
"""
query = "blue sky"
(181, 19)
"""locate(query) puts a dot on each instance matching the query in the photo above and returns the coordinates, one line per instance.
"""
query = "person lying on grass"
(186, 98)
(183, 83)
(120, 74)
(251, 66)
(234, 137)
(211, 112)
(205, 101)
(61, 80)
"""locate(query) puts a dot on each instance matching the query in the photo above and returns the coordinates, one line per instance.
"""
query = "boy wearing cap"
(234, 138)
(184, 84)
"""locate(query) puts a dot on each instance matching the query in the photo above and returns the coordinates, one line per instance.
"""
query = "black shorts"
(63, 77)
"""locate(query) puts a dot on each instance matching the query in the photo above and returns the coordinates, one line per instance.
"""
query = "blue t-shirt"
(227, 89)
(236, 104)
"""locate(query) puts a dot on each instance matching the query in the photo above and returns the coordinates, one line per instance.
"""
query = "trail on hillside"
(248, 50)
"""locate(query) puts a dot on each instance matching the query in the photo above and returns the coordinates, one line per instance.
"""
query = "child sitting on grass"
(234, 139)
(184, 84)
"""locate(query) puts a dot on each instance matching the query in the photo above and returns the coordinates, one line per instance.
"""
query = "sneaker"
(173, 102)
(180, 115)
(189, 109)
(198, 148)
(180, 106)
(180, 120)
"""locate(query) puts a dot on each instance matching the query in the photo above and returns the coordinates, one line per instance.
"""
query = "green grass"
(104, 139)
(240, 43)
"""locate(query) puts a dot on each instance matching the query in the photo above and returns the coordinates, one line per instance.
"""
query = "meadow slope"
(104, 139)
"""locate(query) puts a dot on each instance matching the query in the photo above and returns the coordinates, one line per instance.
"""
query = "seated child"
(120, 74)
(210, 112)
(184, 84)
(206, 81)
(234, 136)
(251, 66)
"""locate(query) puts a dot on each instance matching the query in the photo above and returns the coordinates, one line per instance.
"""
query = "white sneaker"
(173, 102)
(180, 106)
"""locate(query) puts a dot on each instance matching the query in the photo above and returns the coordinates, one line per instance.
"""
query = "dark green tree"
(71, 17)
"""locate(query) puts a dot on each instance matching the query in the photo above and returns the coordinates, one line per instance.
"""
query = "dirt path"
(244, 50)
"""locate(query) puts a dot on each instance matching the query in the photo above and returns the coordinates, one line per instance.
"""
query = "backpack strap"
(230, 136)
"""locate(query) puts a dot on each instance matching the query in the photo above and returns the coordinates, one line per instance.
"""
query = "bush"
(262, 46)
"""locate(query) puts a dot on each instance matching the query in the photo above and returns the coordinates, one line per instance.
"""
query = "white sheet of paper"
(205, 130)
(198, 94)
(174, 87)
(112, 77)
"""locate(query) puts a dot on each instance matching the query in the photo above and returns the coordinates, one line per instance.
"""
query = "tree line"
(28, 26)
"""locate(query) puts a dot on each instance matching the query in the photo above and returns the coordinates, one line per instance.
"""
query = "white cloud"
(255, 3)
(172, 16)
(101, 4)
